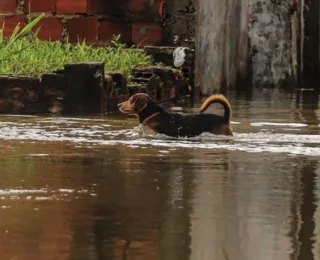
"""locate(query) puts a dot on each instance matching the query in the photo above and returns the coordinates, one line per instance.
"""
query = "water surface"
(105, 188)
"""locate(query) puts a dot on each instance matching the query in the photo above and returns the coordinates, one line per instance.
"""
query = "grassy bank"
(43, 57)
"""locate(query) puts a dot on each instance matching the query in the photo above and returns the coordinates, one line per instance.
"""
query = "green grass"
(6, 45)
(30, 56)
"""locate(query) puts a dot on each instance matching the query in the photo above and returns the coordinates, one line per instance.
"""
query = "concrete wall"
(272, 43)
(221, 43)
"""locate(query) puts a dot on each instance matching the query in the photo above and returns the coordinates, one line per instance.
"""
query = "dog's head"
(135, 104)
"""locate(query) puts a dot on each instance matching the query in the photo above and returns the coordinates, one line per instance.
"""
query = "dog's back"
(190, 125)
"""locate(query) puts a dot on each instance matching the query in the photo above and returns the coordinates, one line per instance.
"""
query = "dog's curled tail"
(221, 99)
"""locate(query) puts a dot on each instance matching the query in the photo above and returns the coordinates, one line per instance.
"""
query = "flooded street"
(104, 188)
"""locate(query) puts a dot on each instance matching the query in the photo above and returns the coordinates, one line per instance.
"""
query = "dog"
(179, 125)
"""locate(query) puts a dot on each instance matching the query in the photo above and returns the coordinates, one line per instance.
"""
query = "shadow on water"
(102, 188)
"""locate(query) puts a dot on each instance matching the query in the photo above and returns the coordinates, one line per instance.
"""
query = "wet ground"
(103, 188)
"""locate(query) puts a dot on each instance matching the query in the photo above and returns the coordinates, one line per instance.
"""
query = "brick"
(108, 29)
(51, 29)
(8, 6)
(98, 6)
(83, 29)
(37, 6)
(136, 6)
(71, 6)
(146, 33)
(10, 23)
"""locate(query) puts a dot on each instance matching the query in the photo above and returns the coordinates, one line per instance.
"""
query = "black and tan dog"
(179, 125)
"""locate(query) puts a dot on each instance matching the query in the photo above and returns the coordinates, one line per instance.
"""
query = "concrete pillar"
(221, 44)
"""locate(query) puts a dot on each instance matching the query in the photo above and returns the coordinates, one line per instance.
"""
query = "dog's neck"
(149, 112)
(146, 120)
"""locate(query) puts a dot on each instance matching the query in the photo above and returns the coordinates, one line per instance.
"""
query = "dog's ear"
(140, 102)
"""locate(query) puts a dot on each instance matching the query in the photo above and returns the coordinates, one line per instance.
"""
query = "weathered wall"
(138, 21)
(221, 44)
(260, 43)
(272, 43)
(179, 22)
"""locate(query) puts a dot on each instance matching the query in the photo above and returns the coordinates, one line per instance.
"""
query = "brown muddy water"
(103, 188)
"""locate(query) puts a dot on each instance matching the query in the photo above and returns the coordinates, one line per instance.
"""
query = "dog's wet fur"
(179, 125)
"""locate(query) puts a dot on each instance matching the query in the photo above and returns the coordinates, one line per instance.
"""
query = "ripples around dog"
(291, 138)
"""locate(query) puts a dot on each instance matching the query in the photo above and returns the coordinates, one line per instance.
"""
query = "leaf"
(16, 36)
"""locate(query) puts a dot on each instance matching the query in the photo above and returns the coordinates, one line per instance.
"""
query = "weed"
(30, 56)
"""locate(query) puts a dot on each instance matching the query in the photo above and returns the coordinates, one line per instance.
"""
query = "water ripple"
(98, 132)
(41, 194)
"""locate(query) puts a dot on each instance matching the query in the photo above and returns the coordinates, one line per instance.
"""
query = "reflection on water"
(102, 188)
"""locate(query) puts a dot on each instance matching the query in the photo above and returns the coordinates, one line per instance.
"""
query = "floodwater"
(103, 188)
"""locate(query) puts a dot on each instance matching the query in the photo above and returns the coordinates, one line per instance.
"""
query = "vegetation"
(30, 56)
(6, 49)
